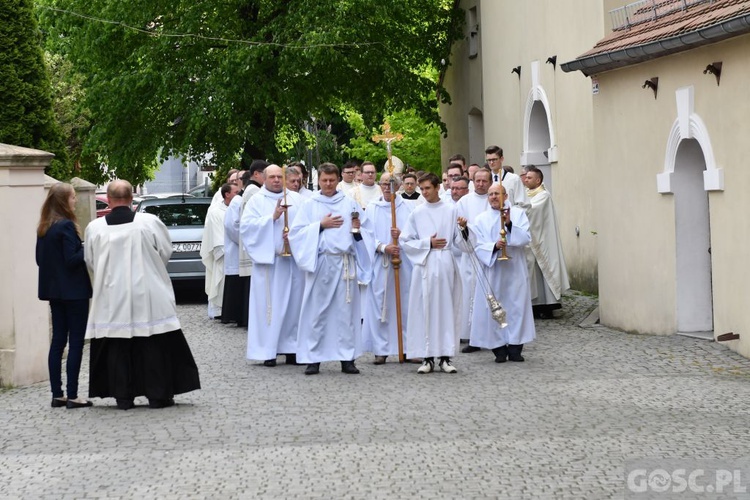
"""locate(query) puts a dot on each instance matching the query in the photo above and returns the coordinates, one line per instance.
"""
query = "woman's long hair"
(56, 208)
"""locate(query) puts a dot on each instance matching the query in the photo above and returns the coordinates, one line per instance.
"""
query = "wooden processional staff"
(388, 137)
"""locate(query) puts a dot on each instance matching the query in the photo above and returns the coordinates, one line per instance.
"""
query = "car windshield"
(180, 214)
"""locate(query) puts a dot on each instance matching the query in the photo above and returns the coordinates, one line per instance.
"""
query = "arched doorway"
(538, 134)
(692, 240)
(539, 142)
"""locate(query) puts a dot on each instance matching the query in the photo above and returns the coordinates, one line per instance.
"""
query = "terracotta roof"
(654, 21)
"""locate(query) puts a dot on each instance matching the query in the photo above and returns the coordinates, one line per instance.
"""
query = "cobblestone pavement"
(560, 425)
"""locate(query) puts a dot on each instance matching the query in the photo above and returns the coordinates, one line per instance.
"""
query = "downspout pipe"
(632, 55)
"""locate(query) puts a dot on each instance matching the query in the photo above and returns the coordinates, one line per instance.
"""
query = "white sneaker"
(446, 366)
(427, 366)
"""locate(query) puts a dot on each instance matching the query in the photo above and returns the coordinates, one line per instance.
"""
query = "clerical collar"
(252, 181)
(408, 196)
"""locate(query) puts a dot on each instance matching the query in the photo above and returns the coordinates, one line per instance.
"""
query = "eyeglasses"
(454, 177)
(492, 160)
(347, 172)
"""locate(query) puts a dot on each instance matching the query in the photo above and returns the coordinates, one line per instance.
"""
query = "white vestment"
(547, 270)
(305, 193)
(507, 279)
(246, 263)
(133, 296)
(379, 330)
(434, 305)
(468, 207)
(330, 319)
(212, 256)
(364, 195)
(232, 239)
(276, 294)
(345, 187)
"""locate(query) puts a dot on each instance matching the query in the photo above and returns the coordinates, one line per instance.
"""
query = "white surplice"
(508, 281)
(212, 256)
(547, 270)
(232, 237)
(434, 305)
(379, 330)
(330, 318)
(469, 207)
(364, 195)
(133, 295)
(276, 294)
(514, 187)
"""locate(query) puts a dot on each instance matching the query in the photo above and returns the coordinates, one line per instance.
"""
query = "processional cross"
(389, 137)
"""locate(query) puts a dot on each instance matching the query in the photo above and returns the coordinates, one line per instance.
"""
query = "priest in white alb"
(212, 249)
(547, 270)
(379, 329)
(469, 207)
(507, 279)
(430, 234)
(276, 294)
(333, 247)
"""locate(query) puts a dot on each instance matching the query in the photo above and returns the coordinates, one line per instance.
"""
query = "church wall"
(516, 34)
(463, 80)
(637, 236)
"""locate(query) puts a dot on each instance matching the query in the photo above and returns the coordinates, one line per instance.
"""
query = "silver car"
(184, 218)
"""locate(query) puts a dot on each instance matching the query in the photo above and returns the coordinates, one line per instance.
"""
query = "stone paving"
(560, 425)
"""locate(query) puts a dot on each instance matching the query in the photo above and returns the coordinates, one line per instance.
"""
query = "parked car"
(102, 205)
(184, 218)
(158, 196)
(202, 190)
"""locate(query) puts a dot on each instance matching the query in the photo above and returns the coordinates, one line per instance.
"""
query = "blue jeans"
(69, 319)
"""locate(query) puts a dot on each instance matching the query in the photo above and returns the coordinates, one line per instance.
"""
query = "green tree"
(420, 147)
(26, 116)
(248, 73)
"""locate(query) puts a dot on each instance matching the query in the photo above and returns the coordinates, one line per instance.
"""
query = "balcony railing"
(648, 10)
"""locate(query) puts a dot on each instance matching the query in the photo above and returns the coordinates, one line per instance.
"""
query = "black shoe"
(348, 367)
(501, 354)
(514, 352)
(379, 360)
(125, 404)
(291, 359)
(470, 348)
(312, 369)
(59, 403)
(270, 362)
(75, 404)
(160, 403)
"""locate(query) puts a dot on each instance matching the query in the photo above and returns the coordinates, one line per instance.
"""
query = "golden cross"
(388, 137)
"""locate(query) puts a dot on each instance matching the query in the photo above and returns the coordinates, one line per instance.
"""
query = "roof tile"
(692, 18)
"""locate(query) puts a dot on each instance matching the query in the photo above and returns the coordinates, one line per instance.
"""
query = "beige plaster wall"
(24, 320)
(637, 236)
(463, 80)
(516, 33)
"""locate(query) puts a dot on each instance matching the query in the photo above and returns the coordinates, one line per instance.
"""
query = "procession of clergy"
(311, 273)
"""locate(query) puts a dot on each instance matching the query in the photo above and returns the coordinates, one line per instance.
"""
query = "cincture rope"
(383, 309)
(269, 311)
(349, 268)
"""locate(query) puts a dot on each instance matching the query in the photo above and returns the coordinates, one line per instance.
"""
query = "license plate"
(186, 247)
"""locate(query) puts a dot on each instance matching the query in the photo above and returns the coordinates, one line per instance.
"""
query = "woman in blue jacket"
(64, 282)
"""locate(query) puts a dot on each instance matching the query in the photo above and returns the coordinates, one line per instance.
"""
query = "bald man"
(137, 346)
(508, 279)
